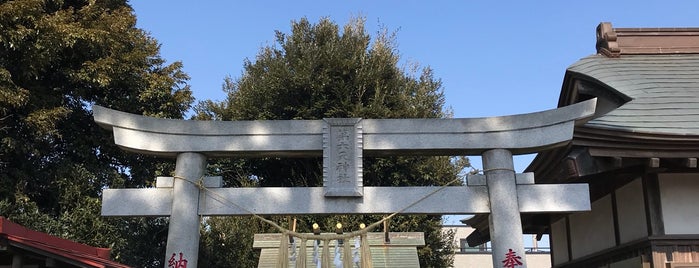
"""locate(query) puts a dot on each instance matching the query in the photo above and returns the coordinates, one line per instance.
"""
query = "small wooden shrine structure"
(398, 251)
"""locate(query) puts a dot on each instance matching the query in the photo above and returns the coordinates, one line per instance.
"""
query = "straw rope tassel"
(365, 252)
(301, 260)
(326, 254)
(283, 259)
(347, 254)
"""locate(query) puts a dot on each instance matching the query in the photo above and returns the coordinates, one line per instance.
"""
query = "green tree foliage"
(319, 71)
(57, 59)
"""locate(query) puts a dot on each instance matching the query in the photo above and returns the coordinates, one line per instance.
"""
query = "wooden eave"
(596, 151)
(536, 224)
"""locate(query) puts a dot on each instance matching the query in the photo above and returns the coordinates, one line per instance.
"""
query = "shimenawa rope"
(283, 260)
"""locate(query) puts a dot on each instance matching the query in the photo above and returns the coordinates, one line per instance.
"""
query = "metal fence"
(488, 250)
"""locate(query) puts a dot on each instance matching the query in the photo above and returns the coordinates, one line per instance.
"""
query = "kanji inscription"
(511, 259)
(177, 263)
(342, 157)
(344, 154)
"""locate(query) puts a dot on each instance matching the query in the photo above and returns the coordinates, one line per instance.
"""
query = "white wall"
(631, 212)
(592, 231)
(460, 232)
(679, 196)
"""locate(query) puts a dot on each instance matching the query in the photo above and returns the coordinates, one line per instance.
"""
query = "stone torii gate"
(343, 142)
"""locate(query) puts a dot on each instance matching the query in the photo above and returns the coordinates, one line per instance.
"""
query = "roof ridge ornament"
(607, 40)
(615, 42)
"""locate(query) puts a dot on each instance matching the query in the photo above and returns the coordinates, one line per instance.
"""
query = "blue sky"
(493, 57)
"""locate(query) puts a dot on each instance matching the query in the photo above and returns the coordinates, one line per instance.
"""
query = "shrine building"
(24, 248)
(638, 154)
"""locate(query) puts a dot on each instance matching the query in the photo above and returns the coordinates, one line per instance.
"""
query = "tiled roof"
(663, 92)
(64, 250)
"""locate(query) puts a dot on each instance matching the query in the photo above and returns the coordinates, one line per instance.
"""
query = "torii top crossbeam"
(520, 134)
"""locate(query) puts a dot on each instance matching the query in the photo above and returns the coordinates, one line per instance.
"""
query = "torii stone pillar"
(183, 232)
(342, 143)
(505, 221)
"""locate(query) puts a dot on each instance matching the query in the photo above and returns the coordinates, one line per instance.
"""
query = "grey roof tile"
(664, 92)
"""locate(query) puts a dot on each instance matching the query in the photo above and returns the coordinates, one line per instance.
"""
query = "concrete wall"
(593, 230)
(679, 196)
(559, 242)
(485, 260)
(631, 212)
(473, 260)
